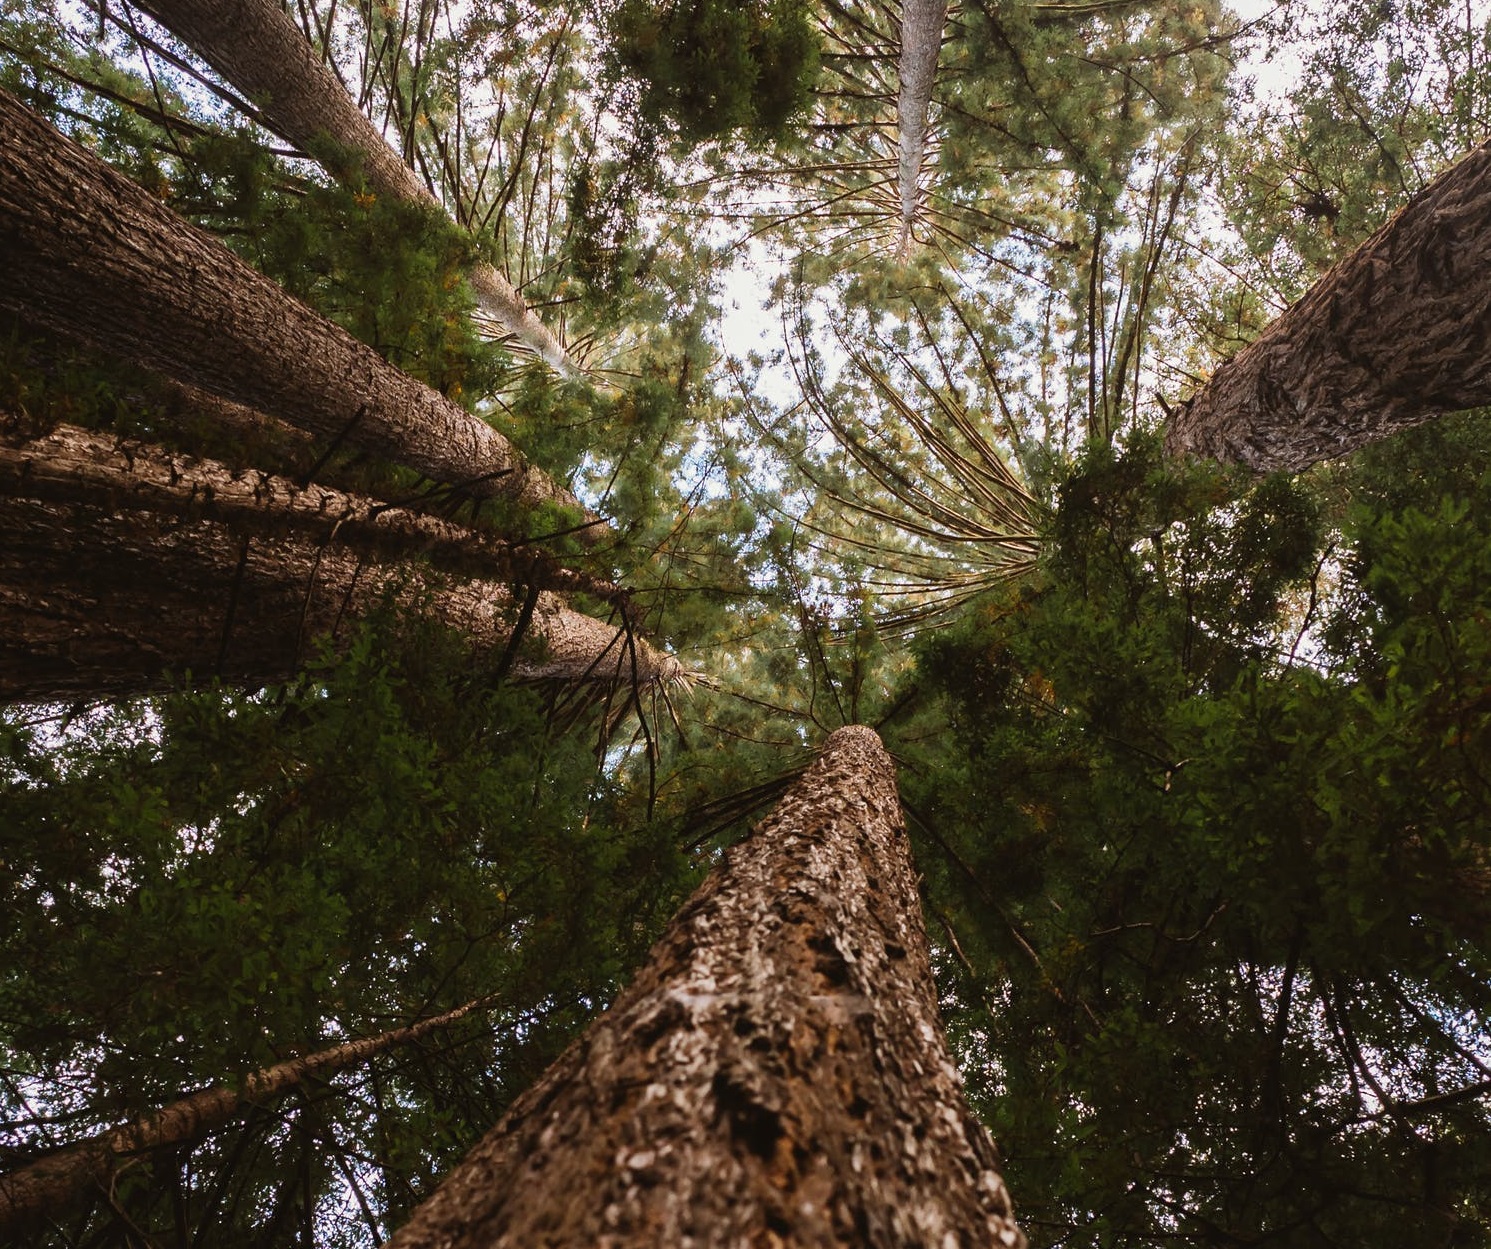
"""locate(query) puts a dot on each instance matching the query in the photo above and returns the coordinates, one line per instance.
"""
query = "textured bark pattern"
(256, 47)
(1397, 333)
(114, 583)
(921, 42)
(776, 1074)
(72, 465)
(89, 254)
(49, 1186)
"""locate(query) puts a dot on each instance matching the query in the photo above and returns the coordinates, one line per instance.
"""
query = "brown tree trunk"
(921, 42)
(1397, 333)
(49, 1186)
(259, 50)
(125, 568)
(775, 1075)
(88, 253)
(73, 465)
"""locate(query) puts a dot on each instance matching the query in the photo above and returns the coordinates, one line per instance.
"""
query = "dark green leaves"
(707, 68)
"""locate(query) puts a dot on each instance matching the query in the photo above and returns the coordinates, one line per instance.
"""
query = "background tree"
(259, 51)
(1237, 936)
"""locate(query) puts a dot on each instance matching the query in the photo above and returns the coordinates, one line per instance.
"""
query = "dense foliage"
(1241, 871)
(710, 67)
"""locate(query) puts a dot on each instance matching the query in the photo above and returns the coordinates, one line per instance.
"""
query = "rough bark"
(51, 1185)
(124, 569)
(775, 1075)
(921, 42)
(71, 465)
(44, 365)
(259, 50)
(91, 255)
(1397, 333)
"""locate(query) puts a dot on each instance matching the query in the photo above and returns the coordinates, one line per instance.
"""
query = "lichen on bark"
(776, 1074)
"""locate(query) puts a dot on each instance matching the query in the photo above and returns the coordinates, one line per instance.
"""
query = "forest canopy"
(813, 366)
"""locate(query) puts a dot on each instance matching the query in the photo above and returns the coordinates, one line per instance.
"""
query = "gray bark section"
(1397, 333)
(258, 49)
(921, 42)
(776, 1074)
(50, 1186)
(125, 569)
(88, 253)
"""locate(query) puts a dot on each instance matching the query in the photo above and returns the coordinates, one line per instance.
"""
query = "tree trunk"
(775, 1075)
(921, 42)
(1397, 333)
(125, 568)
(259, 50)
(54, 1183)
(73, 465)
(88, 253)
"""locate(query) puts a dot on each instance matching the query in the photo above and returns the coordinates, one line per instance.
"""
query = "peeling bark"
(776, 1074)
(1396, 334)
(93, 256)
(921, 42)
(259, 50)
(51, 1185)
(125, 568)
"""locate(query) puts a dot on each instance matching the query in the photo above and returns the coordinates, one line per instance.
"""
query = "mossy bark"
(776, 1074)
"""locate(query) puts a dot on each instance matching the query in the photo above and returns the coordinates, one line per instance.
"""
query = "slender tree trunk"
(775, 1075)
(58, 1181)
(259, 50)
(921, 42)
(1397, 333)
(125, 568)
(88, 253)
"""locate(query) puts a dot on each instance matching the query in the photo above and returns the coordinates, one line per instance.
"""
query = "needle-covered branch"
(52, 1185)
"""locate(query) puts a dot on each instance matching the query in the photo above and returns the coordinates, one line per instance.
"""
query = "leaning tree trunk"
(53, 1184)
(125, 568)
(921, 42)
(88, 253)
(776, 1074)
(1397, 333)
(259, 50)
